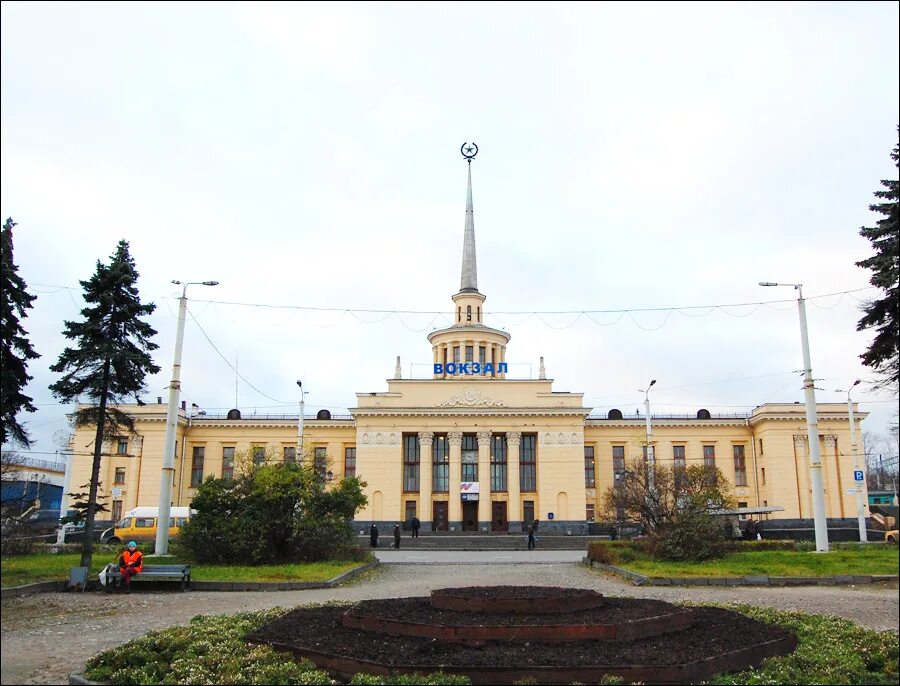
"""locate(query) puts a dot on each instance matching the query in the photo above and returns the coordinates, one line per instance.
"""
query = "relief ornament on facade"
(471, 397)
(380, 438)
(560, 438)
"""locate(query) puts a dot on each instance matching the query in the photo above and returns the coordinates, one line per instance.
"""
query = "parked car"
(140, 525)
(891, 536)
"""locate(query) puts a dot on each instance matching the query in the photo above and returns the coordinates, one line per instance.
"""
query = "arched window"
(614, 414)
(703, 414)
(468, 313)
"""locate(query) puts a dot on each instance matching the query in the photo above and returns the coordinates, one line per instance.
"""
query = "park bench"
(180, 573)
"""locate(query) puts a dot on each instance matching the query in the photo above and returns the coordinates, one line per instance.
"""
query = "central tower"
(469, 344)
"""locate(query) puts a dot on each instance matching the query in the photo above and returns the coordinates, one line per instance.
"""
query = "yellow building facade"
(470, 449)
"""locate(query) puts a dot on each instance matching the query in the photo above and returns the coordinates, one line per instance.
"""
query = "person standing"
(373, 536)
(397, 536)
(131, 562)
(531, 537)
(415, 527)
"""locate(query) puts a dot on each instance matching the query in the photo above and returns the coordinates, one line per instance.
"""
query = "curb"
(748, 580)
(77, 678)
(31, 589)
(59, 586)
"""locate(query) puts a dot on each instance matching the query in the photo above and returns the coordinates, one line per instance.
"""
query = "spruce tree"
(15, 349)
(108, 363)
(883, 354)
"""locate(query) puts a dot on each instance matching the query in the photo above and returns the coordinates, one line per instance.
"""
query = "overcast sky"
(634, 155)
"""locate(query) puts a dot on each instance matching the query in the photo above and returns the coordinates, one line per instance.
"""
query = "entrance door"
(527, 513)
(439, 515)
(470, 516)
(498, 517)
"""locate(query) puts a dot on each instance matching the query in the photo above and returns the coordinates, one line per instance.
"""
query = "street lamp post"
(812, 426)
(168, 462)
(854, 450)
(651, 457)
(299, 459)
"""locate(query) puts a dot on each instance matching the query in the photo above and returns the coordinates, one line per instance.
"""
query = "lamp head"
(767, 283)
(299, 383)
(652, 382)
(210, 283)
(858, 381)
(177, 282)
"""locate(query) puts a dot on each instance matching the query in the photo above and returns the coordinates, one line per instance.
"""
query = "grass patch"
(865, 559)
(27, 569)
(211, 650)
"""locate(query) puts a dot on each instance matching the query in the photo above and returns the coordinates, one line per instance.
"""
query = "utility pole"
(167, 477)
(299, 459)
(651, 457)
(812, 426)
(860, 496)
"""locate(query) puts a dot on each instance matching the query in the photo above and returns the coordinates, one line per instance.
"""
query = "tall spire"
(469, 279)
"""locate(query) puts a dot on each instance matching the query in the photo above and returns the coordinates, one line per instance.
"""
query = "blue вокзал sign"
(470, 368)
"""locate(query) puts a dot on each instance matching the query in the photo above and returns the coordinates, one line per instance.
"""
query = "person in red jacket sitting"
(131, 561)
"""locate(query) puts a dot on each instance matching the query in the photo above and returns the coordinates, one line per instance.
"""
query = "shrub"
(689, 537)
(272, 514)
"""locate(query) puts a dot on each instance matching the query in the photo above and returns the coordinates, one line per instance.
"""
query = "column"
(493, 352)
(484, 479)
(513, 512)
(434, 360)
(454, 508)
(425, 469)
(503, 359)
(832, 455)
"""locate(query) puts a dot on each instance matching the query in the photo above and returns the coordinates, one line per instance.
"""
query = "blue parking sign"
(858, 475)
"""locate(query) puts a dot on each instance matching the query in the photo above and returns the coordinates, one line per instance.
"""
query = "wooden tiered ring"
(530, 600)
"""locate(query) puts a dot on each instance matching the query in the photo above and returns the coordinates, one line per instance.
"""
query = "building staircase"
(490, 541)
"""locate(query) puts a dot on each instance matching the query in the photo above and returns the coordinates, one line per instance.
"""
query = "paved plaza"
(47, 636)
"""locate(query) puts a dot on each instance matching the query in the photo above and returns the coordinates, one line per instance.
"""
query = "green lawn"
(27, 569)
(864, 560)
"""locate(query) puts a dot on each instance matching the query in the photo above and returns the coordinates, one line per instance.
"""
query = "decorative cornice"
(473, 411)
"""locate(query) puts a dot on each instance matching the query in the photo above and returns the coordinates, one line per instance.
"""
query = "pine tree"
(883, 354)
(15, 349)
(109, 362)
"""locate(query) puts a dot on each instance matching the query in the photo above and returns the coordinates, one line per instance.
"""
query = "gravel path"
(47, 636)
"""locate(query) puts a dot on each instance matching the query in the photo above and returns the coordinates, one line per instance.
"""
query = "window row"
(440, 462)
(258, 454)
(679, 459)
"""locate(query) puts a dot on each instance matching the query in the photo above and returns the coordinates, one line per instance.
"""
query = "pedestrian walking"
(397, 536)
(415, 527)
(531, 537)
(373, 536)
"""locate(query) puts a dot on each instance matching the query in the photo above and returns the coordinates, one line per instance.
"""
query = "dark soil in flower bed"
(419, 610)
(715, 631)
(532, 592)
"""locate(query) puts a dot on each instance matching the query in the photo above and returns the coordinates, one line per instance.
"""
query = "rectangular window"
(410, 463)
(709, 456)
(456, 354)
(589, 473)
(228, 463)
(498, 463)
(618, 454)
(589, 512)
(482, 355)
(680, 466)
(742, 504)
(410, 512)
(740, 466)
(122, 446)
(120, 476)
(470, 353)
(197, 465)
(528, 463)
(440, 458)
(469, 458)
(290, 454)
(259, 455)
(350, 461)
(763, 470)
(116, 510)
(320, 460)
(144, 523)
(760, 447)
